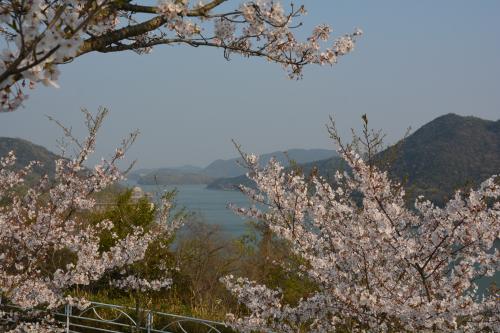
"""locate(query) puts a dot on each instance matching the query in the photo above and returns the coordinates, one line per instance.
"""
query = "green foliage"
(125, 215)
(128, 213)
(199, 256)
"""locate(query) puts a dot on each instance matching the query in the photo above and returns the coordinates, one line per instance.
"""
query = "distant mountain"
(224, 168)
(188, 174)
(326, 169)
(167, 176)
(231, 167)
(26, 152)
(189, 168)
(138, 174)
(445, 154)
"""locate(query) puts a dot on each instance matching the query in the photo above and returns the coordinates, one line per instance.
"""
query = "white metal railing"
(110, 318)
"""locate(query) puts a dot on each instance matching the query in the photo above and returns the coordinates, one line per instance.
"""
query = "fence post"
(149, 321)
(67, 311)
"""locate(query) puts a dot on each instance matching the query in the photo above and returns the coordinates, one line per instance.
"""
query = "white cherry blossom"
(40, 35)
(47, 249)
(379, 266)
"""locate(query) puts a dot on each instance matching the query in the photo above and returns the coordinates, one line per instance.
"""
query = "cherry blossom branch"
(40, 35)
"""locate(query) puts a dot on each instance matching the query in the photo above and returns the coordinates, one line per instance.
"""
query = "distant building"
(137, 193)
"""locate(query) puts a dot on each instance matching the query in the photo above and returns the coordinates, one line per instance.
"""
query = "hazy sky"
(417, 60)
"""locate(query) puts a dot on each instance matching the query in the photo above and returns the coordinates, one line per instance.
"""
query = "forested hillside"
(448, 153)
(26, 152)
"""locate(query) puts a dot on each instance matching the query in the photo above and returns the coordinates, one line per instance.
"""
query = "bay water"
(207, 206)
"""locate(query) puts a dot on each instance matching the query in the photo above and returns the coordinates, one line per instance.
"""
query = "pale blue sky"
(416, 61)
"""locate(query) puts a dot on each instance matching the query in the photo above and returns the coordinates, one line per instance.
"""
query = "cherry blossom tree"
(378, 265)
(47, 250)
(39, 35)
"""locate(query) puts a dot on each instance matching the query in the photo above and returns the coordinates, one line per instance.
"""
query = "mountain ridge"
(231, 167)
(445, 154)
(220, 167)
(27, 152)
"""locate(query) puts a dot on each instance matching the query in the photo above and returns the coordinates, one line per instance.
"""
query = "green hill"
(26, 152)
(448, 153)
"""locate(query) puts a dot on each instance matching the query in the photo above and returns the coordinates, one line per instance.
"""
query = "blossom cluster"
(264, 28)
(37, 36)
(47, 248)
(40, 35)
(46, 325)
(138, 284)
(378, 265)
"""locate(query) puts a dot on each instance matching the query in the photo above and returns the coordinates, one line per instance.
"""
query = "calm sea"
(208, 206)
